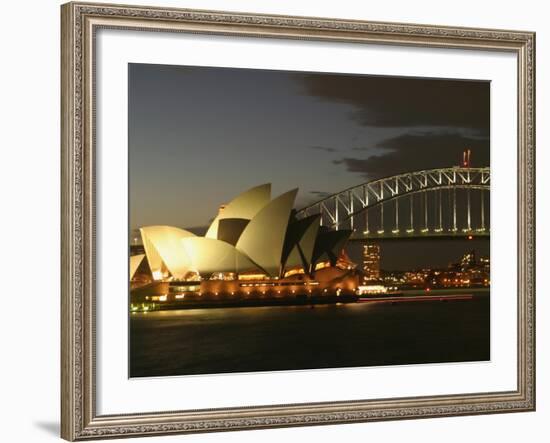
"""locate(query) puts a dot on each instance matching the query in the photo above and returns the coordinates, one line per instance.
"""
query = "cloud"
(323, 148)
(321, 194)
(406, 102)
(416, 151)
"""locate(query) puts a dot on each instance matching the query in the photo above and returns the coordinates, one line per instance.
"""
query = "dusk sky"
(199, 136)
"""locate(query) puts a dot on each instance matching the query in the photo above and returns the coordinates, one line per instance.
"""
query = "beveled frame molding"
(79, 420)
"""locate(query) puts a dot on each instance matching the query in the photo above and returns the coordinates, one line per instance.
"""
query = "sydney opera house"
(255, 248)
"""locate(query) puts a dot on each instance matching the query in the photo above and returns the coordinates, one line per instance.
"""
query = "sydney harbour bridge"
(446, 202)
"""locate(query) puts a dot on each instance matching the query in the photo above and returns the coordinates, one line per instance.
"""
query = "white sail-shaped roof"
(135, 261)
(263, 238)
(244, 206)
(294, 259)
(256, 234)
(163, 244)
(302, 252)
(207, 255)
(307, 242)
(153, 257)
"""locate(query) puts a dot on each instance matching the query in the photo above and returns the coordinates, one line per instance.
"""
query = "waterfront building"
(485, 264)
(372, 289)
(254, 245)
(371, 262)
(468, 260)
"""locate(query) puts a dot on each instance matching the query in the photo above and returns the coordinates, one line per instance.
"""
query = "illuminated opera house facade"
(254, 247)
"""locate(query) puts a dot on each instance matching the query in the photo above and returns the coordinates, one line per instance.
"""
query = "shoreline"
(407, 296)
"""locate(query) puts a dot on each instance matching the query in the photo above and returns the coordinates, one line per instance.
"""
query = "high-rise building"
(468, 260)
(371, 262)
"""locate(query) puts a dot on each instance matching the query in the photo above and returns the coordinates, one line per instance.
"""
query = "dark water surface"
(209, 341)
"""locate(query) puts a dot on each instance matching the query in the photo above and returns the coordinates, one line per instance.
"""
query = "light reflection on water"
(207, 341)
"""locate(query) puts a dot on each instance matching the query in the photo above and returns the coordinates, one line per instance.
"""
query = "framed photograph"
(283, 221)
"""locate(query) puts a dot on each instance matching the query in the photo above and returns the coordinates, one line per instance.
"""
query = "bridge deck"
(419, 235)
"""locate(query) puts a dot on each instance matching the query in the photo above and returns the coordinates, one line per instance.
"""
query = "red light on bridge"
(466, 154)
(428, 289)
(470, 237)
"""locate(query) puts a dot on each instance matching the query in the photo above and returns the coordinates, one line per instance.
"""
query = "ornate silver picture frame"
(80, 23)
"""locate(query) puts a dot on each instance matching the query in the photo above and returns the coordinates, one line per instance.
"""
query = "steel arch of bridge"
(343, 207)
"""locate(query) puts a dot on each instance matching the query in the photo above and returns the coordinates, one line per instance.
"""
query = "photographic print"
(337, 216)
(283, 220)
